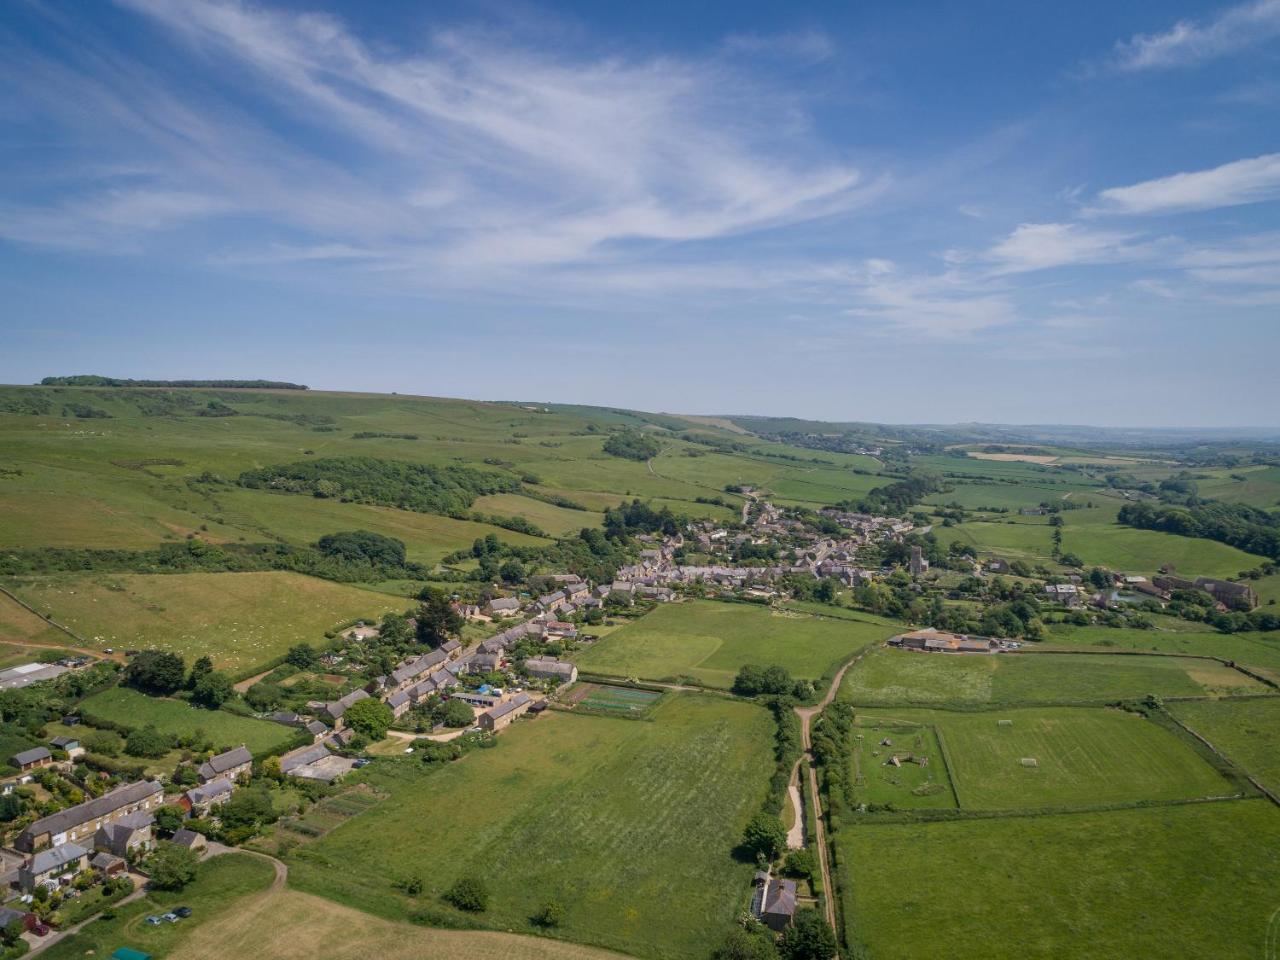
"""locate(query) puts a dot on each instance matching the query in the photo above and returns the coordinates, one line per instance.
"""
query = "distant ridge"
(93, 380)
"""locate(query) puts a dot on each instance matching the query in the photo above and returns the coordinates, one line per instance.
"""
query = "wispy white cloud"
(1240, 182)
(523, 158)
(1040, 246)
(111, 220)
(1188, 42)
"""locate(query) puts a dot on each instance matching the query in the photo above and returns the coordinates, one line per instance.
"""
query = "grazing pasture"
(1099, 540)
(237, 619)
(904, 677)
(1048, 757)
(1246, 731)
(1201, 880)
(19, 625)
(710, 641)
(304, 520)
(132, 709)
(631, 826)
(557, 521)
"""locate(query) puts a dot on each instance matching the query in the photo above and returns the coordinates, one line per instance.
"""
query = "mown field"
(903, 677)
(1201, 880)
(237, 619)
(1084, 756)
(711, 641)
(132, 709)
(1247, 731)
(223, 886)
(288, 924)
(629, 824)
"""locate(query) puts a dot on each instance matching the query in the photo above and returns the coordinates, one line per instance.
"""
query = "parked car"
(362, 762)
(183, 912)
(171, 917)
(154, 921)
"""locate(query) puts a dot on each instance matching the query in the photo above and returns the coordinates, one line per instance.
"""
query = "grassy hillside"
(237, 619)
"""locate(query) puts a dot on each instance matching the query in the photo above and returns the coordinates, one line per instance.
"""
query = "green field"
(19, 625)
(1098, 539)
(1247, 731)
(132, 709)
(628, 701)
(237, 619)
(1083, 756)
(1187, 881)
(902, 677)
(710, 641)
(630, 825)
(1258, 651)
(556, 521)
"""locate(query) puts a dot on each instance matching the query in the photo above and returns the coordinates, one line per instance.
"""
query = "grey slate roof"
(101, 806)
(781, 898)
(302, 756)
(223, 762)
(211, 790)
(502, 709)
(55, 857)
(34, 755)
(185, 837)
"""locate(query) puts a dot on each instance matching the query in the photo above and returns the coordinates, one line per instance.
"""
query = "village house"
(50, 866)
(31, 759)
(500, 716)
(231, 764)
(774, 901)
(503, 607)
(81, 821)
(336, 708)
(199, 801)
(577, 592)
(559, 628)
(549, 668)
(313, 763)
(125, 836)
(1235, 595)
(552, 602)
(622, 590)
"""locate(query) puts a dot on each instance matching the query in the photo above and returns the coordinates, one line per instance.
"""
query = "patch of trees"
(638, 517)
(93, 380)
(1235, 524)
(363, 546)
(27, 402)
(632, 445)
(198, 556)
(378, 435)
(897, 499)
(437, 621)
(422, 488)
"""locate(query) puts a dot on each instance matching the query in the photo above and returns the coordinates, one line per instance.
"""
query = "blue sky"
(903, 212)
